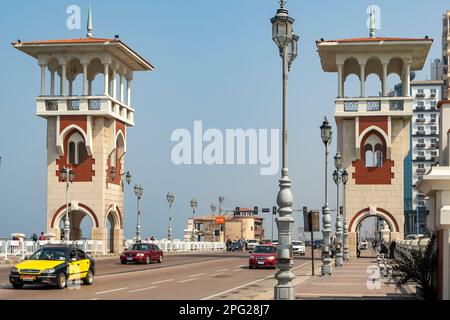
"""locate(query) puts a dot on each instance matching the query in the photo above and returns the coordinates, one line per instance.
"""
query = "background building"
(446, 52)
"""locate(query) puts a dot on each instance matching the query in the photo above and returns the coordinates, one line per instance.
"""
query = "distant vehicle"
(298, 247)
(318, 244)
(307, 243)
(251, 244)
(414, 236)
(363, 245)
(266, 242)
(274, 242)
(262, 257)
(54, 265)
(236, 246)
(142, 253)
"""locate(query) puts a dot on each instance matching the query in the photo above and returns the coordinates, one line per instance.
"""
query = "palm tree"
(417, 266)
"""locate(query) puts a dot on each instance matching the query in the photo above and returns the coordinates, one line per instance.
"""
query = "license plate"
(27, 278)
(130, 258)
(260, 262)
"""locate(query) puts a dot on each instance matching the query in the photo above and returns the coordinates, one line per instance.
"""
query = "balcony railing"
(421, 170)
(373, 105)
(432, 120)
(420, 120)
(419, 108)
(420, 95)
(420, 132)
(83, 105)
(420, 158)
(351, 106)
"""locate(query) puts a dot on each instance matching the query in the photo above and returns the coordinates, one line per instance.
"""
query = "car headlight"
(49, 271)
(140, 255)
(271, 258)
(14, 270)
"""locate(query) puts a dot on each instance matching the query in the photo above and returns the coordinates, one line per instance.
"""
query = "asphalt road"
(198, 276)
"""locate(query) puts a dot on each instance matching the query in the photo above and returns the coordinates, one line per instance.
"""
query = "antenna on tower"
(89, 22)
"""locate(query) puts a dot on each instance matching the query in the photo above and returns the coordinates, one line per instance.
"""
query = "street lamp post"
(138, 191)
(67, 176)
(344, 219)
(170, 198)
(286, 41)
(194, 204)
(337, 179)
(213, 211)
(326, 135)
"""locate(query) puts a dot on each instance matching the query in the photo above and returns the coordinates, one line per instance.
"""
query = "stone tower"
(373, 133)
(88, 111)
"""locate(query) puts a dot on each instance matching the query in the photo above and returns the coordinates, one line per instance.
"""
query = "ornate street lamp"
(326, 134)
(346, 256)
(286, 42)
(194, 204)
(337, 181)
(170, 198)
(67, 176)
(138, 191)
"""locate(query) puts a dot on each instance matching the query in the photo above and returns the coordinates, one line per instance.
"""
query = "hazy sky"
(216, 62)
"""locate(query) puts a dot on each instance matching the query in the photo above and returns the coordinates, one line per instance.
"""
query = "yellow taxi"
(54, 265)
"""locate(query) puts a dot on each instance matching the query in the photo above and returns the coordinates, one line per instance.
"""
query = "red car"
(142, 253)
(263, 257)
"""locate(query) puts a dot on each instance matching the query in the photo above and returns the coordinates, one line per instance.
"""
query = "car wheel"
(17, 285)
(61, 281)
(123, 262)
(147, 260)
(160, 259)
(89, 280)
(250, 267)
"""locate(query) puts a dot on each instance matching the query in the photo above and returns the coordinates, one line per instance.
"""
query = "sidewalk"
(355, 280)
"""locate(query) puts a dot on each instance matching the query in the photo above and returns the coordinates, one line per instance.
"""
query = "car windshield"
(252, 241)
(296, 243)
(49, 254)
(140, 247)
(265, 249)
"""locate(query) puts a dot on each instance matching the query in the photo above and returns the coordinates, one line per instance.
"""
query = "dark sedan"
(142, 253)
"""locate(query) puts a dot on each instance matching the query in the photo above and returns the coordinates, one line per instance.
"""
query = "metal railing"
(180, 246)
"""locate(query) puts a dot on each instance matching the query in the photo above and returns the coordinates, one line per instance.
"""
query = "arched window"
(76, 149)
(373, 152)
(368, 156)
(378, 155)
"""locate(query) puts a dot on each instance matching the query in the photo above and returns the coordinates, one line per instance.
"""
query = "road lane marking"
(192, 279)
(143, 289)
(162, 281)
(250, 283)
(237, 270)
(221, 270)
(196, 275)
(113, 290)
(216, 274)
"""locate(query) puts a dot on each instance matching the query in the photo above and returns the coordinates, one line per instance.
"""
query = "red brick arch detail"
(63, 207)
(361, 212)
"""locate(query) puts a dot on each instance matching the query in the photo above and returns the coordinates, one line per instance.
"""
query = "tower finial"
(282, 3)
(372, 23)
(89, 23)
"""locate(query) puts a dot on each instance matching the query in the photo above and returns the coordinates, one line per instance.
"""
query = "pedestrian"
(41, 236)
(383, 249)
(392, 249)
(358, 252)
(228, 243)
(34, 237)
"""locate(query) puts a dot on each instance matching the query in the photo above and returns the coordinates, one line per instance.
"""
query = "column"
(129, 91)
(407, 80)
(70, 87)
(90, 87)
(340, 81)
(362, 80)
(85, 80)
(43, 67)
(122, 78)
(106, 73)
(52, 83)
(385, 76)
(113, 93)
(63, 80)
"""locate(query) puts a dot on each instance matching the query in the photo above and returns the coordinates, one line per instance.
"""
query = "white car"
(298, 247)
(251, 244)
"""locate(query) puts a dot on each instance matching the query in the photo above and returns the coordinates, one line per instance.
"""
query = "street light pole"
(170, 198)
(68, 176)
(213, 211)
(138, 191)
(194, 204)
(286, 41)
(344, 218)
(337, 176)
(326, 135)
